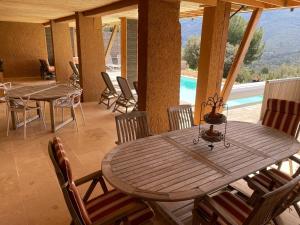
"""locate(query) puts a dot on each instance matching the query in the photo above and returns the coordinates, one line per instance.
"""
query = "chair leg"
(8, 118)
(82, 114)
(75, 119)
(25, 123)
(196, 220)
(291, 167)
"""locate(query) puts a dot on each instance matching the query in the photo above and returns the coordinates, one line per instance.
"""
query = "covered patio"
(253, 140)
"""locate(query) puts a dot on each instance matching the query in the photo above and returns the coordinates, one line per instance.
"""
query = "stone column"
(159, 57)
(91, 56)
(62, 50)
(212, 53)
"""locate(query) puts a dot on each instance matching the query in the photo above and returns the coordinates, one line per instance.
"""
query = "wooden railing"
(287, 89)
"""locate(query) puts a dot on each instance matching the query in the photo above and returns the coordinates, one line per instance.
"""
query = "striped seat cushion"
(282, 115)
(230, 203)
(115, 204)
(267, 178)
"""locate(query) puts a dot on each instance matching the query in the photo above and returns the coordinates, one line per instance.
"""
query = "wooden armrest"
(257, 186)
(220, 211)
(90, 177)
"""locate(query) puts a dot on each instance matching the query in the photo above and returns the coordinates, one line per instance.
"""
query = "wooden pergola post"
(111, 41)
(212, 53)
(241, 53)
(91, 55)
(159, 57)
(123, 47)
(62, 50)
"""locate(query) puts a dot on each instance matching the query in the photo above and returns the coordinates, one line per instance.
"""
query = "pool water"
(188, 94)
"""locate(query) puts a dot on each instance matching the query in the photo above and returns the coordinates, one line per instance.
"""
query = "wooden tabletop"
(42, 92)
(169, 167)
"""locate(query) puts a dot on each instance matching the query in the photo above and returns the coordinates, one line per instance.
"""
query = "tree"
(191, 52)
(236, 32)
(229, 56)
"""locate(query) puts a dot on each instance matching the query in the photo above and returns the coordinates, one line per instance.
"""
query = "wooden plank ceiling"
(41, 11)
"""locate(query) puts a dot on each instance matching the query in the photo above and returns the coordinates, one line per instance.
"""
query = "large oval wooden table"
(49, 93)
(170, 167)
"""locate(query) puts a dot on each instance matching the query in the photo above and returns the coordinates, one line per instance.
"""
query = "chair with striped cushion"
(226, 208)
(283, 115)
(111, 207)
(271, 179)
(180, 117)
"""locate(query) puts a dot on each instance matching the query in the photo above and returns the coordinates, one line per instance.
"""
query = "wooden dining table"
(41, 93)
(169, 167)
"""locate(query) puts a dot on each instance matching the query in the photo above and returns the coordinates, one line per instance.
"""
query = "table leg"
(13, 116)
(52, 115)
(38, 111)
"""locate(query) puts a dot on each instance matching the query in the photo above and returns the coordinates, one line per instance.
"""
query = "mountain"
(281, 32)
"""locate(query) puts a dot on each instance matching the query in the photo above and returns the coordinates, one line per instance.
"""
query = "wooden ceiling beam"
(252, 3)
(112, 8)
(281, 3)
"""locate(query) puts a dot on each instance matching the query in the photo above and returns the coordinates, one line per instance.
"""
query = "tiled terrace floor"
(29, 193)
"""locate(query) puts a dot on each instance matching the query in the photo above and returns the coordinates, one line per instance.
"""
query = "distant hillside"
(281, 33)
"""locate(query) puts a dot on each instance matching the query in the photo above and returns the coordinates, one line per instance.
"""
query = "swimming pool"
(188, 94)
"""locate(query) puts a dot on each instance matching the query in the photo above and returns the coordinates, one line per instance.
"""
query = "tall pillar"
(212, 53)
(62, 50)
(91, 56)
(123, 47)
(159, 57)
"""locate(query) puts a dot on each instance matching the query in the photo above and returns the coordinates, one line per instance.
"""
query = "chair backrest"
(135, 85)
(132, 126)
(124, 86)
(3, 88)
(74, 68)
(273, 203)
(108, 83)
(283, 115)
(180, 117)
(64, 175)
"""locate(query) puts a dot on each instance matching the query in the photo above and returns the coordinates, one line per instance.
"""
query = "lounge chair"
(180, 117)
(47, 71)
(135, 85)
(126, 99)
(75, 77)
(109, 92)
(132, 126)
(111, 207)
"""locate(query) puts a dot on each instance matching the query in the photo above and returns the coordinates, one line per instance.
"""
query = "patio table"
(170, 167)
(49, 93)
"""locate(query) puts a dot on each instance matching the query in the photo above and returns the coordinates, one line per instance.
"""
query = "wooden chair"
(71, 102)
(109, 92)
(284, 116)
(47, 71)
(126, 99)
(180, 117)
(271, 179)
(227, 208)
(132, 126)
(22, 105)
(111, 207)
